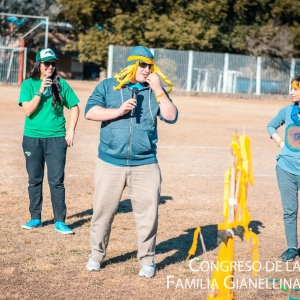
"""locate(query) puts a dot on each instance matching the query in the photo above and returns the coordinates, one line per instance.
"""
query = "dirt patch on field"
(193, 155)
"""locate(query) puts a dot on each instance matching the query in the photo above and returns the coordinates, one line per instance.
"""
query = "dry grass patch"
(193, 156)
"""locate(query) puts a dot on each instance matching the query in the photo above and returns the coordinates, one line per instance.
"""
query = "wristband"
(38, 93)
(158, 96)
(280, 141)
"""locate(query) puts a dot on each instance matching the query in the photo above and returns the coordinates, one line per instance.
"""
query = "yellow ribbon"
(192, 251)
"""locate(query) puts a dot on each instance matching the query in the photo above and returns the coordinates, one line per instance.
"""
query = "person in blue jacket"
(288, 166)
(128, 106)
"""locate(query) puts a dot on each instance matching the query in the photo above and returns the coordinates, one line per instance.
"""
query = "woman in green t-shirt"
(43, 97)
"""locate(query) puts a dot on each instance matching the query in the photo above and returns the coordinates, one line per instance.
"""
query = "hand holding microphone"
(129, 105)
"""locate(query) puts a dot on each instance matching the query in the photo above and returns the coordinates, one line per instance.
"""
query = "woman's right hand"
(46, 82)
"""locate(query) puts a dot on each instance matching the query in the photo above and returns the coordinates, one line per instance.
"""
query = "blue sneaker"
(62, 228)
(34, 223)
(289, 255)
(148, 271)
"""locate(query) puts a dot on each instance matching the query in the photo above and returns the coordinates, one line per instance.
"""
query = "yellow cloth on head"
(295, 85)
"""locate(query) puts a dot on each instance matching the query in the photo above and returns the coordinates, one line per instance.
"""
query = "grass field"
(193, 155)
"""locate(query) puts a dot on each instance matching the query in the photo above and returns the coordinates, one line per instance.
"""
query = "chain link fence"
(193, 71)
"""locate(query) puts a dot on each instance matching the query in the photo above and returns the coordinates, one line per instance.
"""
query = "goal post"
(43, 18)
(13, 58)
(13, 62)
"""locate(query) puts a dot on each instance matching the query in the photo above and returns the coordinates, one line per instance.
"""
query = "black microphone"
(134, 96)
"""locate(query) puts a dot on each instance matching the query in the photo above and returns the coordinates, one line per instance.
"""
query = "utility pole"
(2, 28)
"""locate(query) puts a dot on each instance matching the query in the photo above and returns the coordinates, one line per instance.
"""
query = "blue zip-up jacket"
(127, 140)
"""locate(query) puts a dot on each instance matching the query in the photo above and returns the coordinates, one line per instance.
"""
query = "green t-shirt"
(46, 121)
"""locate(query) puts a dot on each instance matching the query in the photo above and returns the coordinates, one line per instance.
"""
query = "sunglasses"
(48, 63)
(144, 65)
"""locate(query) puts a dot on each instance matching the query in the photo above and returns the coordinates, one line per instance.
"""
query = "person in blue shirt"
(288, 166)
(128, 106)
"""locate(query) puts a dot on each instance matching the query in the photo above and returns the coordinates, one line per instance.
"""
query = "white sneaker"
(93, 265)
(148, 271)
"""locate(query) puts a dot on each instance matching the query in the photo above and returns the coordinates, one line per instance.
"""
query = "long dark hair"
(56, 95)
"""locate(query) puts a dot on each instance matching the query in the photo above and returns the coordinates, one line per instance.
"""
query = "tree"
(264, 27)
(170, 24)
(271, 41)
(256, 27)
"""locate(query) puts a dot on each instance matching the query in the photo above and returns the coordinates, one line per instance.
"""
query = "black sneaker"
(290, 254)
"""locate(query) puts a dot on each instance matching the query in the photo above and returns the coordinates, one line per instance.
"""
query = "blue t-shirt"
(135, 85)
(289, 157)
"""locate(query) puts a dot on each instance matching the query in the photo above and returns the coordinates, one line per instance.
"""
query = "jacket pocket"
(118, 143)
(141, 144)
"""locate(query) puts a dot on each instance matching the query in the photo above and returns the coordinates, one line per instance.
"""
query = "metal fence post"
(225, 72)
(292, 71)
(258, 75)
(25, 64)
(46, 32)
(190, 71)
(152, 50)
(110, 60)
(10, 64)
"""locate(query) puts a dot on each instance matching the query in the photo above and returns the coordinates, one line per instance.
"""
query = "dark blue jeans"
(37, 151)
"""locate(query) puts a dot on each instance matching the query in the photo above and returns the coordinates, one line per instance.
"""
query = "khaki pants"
(144, 184)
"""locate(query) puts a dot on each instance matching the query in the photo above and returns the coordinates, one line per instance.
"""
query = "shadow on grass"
(179, 246)
(183, 243)
(85, 216)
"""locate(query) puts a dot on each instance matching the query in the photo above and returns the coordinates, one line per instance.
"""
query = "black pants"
(37, 151)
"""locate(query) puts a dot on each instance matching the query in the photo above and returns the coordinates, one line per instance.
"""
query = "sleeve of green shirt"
(25, 92)
(69, 97)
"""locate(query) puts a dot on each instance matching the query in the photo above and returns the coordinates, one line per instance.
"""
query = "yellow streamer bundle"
(127, 74)
(243, 174)
(236, 219)
(163, 77)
